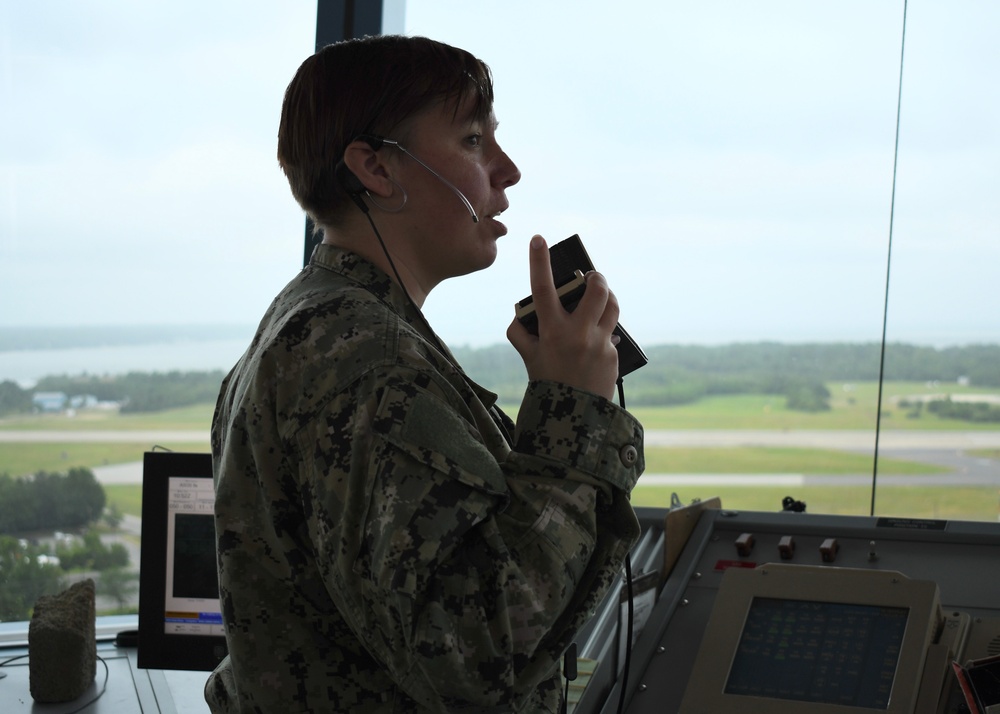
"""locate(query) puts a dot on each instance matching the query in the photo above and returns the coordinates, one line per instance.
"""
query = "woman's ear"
(362, 169)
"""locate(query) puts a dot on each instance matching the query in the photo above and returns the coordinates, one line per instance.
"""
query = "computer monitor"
(180, 618)
(787, 639)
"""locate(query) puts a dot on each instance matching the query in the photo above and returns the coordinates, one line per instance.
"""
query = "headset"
(354, 188)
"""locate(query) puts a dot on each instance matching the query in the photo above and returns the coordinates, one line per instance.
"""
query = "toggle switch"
(786, 547)
(744, 544)
(828, 550)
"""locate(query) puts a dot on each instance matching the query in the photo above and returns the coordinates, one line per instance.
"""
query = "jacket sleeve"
(465, 573)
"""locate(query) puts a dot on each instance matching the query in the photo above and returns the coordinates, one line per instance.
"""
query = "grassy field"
(770, 460)
(973, 504)
(128, 498)
(853, 407)
(195, 417)
(28, 458)
(976, 504)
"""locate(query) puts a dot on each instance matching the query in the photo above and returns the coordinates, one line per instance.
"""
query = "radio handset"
(570, 263)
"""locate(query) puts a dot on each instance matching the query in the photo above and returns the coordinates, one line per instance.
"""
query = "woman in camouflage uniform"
(388, 540)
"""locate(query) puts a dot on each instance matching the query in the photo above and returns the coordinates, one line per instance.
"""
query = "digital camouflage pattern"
(382, 547)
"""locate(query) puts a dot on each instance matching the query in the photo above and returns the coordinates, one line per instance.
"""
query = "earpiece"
(351, 183)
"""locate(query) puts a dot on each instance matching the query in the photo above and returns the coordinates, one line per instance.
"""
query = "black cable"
(628, 588)
(399, 280)
(420, 313)
(86, 704)
(888, 264)
(569, 673)
(12, 659)
(628, 634)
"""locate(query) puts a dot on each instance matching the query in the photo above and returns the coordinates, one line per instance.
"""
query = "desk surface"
(128, 690)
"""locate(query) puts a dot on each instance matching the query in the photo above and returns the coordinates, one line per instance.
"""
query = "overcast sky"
(729, 164)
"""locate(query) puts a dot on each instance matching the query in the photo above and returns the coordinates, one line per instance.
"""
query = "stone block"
(62, 644)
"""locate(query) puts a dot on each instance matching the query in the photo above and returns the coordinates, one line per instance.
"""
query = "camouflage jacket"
(388, 541)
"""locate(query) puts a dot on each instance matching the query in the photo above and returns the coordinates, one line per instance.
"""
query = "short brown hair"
(365, 86)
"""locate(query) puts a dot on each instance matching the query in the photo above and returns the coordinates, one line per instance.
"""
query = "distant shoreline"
(34, 338)
(22, 339)
(28, 355)
(183, 354)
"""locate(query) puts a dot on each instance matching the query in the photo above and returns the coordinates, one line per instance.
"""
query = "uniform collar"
(363, 272)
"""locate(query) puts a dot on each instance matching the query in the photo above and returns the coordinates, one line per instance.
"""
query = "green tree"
(982, 412)
(808, 397)
(13, 399)
(48, 500)
(113, 516)
(92, 554)
(118, 584)
(82, 498)
(18, 507)
(23, 579)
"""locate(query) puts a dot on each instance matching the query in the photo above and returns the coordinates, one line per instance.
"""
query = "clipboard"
(678, 525)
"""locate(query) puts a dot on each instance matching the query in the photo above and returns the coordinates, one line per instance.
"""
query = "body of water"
(28, 366)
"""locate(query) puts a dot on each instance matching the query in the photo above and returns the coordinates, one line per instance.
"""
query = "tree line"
(682, 374)
(676, 374)
(50, 501)
(135, 391)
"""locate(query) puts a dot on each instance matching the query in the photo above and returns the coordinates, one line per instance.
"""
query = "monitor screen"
(180, 619)
(803, 639)
(827, 652)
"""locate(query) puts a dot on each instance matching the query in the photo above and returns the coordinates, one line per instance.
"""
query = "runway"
(945, 448)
